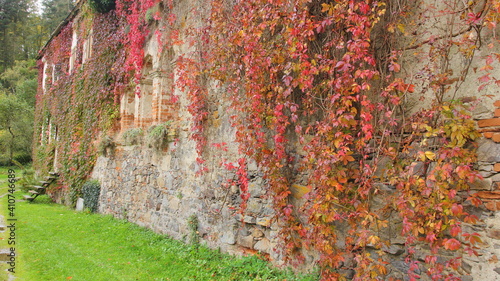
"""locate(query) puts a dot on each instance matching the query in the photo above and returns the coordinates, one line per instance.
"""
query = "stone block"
(254, 206)
(264, 221)
(246, 241)
(481, 184)
(488, 151)
(256, 189)
(497, 103)
(347, 273)
(263, 245)
(497, 112)
(482, 112)
(394, 249)
(417, 168)
(494, 233)
(160, 182)
(383, 164)
(486, 174)
(252, 165)
(486, 168)
(249, 219)
(495, 178)
(79, 204)
(228, 237)
(257, 233)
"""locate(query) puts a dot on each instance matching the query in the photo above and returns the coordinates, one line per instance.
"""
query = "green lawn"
(56, 243)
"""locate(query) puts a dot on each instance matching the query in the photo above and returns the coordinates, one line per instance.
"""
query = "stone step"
(54, 174)
(28, 198)
(33, 192)
(40, 189)
(45, 183)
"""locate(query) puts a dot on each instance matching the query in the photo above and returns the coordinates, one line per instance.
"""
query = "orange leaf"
(452, 244)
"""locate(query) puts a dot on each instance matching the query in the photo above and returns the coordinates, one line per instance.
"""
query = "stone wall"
(160, 190)
(489, 159)
(163, 187)
(486, 265)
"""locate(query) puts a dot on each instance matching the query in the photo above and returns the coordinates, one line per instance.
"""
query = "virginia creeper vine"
(322, 100)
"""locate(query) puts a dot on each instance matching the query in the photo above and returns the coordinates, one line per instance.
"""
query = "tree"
(16, 127)
(13, 15)
(54, 12)
(21, 80)
(18, 87)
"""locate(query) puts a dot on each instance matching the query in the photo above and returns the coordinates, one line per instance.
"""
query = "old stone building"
(120, 102)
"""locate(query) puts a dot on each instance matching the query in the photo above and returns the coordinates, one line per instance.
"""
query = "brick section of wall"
(127, 121)
(489, 161)
(491, 127)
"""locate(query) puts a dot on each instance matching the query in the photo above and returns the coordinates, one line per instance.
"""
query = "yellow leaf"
(325, 7)
(390, 28)
(337, 142)
(373, 240)
(430, 155)
(422, 156)
(401, 27)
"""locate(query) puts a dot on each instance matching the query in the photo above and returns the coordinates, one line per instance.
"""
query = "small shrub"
(23, 158)
(107, 146)
(133, 136)
(90, 193)
(149, 16)
(28, 180)
(157, 137)
(193, 223)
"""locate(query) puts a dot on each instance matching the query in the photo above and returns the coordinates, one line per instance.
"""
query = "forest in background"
(25, 26)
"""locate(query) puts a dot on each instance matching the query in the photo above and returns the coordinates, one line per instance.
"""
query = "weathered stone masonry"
(161, 187)
(489, 159)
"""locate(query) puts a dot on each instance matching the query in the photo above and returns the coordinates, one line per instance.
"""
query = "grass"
(56, 243)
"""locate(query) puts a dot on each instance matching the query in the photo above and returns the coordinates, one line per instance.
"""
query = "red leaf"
(485, 78)
(455, 230)
(457, 209)
(452, 244)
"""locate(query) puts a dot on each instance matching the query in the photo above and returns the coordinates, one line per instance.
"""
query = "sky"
(39, 6)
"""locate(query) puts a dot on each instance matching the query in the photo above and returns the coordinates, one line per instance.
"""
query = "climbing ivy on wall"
(326, 78)
(82, 104)
(333, 82)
